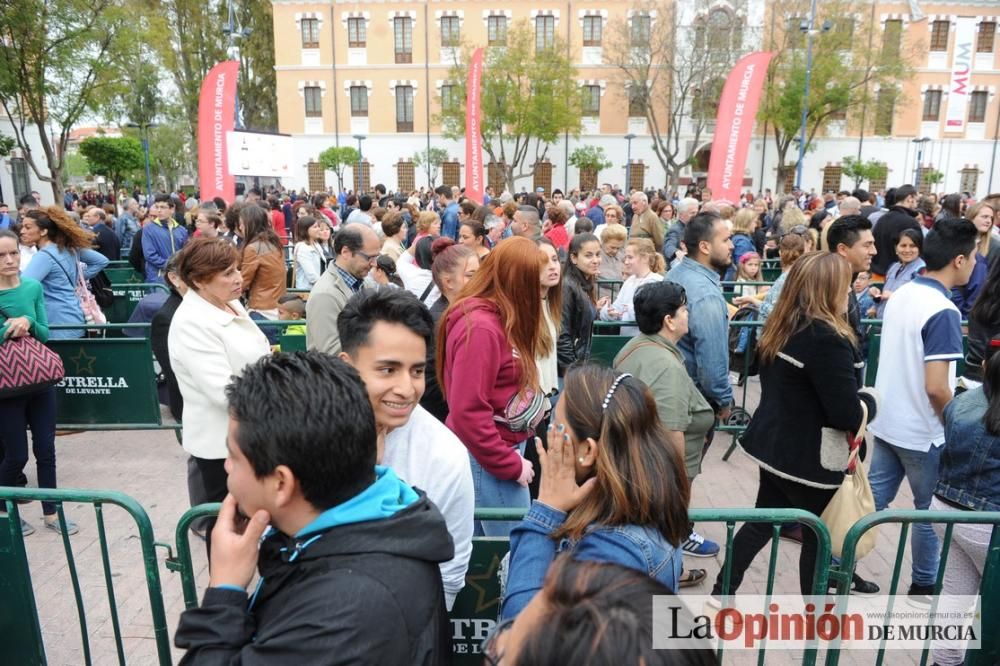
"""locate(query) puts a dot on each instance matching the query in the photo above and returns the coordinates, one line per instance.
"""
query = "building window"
(932, 105)
(636, 101)
(641, 28)
(314, 101)
(545, 32)
(359, 101)
(310, 33)
(637, 176)
(405, 176)
(317, 177)
(543, 176)
(987, 33)
(450, 31)
(451, 173)
(496, 29)
(794, 34)
(593, 27)
(885, 109)
(831, 178)
(592, 100)
(892, 38)
(357, 33)
(449, 97)
(495, 176)
(970, 180)
(939, 35)
(403, 27)
(977, 106)
(19, 177)
(876, 184)
(404, 108)
(844, 27)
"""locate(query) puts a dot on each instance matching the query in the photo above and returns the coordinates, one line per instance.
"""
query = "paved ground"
(150, 466)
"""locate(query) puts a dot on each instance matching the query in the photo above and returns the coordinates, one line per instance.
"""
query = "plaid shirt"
(353, 283)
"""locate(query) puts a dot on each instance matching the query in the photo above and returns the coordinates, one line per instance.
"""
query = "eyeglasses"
(370, 258)
(490, 655)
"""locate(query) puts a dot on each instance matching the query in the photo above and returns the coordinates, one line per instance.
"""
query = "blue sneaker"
(698, 546)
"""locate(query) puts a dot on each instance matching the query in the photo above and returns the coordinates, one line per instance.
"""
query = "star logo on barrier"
(473, 581)
(84, 362)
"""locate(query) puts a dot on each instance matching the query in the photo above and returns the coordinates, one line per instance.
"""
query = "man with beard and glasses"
(706, 345)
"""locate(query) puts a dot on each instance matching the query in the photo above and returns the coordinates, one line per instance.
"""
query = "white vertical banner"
(960, 87)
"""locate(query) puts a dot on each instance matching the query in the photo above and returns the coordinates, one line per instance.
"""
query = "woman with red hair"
(487, 343)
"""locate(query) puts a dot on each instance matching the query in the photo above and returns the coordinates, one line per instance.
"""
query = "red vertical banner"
(216, 118)
(734, 125)
(474, 187)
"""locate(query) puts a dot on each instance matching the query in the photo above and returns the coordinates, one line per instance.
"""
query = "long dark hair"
(991, 387)
(257, 226)
(640, 479)
(601, 613)
(986, 309)
(573, 276)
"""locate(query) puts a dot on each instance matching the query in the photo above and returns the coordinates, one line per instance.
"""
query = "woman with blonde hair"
(487, 345)
(807, 354)
(428, 224)
(613, 237)
(64, 249)
(644, 265)
(987, 244)
(611, 490)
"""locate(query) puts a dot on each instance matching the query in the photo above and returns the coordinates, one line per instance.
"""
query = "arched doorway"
(699, 165)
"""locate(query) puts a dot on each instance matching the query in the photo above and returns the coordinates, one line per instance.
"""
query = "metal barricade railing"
(989, 651)
(22, 636)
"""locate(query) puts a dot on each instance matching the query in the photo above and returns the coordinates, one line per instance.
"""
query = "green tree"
(60, 59)
(673, 76)
(590, 160)
(848, 62)
(112, 157)
(932, 177)
(7, 144)
(336, 158)
(861, 171)
(432, 158)
(529, 99)
(77, 167)
(257, 88)
(186, 35)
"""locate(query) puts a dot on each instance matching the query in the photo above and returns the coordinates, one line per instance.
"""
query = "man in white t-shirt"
(921, 341)
(384, 335)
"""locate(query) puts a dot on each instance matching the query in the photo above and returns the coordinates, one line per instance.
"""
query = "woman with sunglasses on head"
(610, 490)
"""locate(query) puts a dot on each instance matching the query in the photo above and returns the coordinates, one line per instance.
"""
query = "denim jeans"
(492, 493)
(36, 412)
(889, 464)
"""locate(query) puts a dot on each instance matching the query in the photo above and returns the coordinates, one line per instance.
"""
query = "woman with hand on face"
(644, 265)
(211, 339)
(22, 313)
(610, 490)
(580, 302)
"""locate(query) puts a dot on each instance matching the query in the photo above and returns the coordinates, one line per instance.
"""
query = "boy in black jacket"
(349, 567)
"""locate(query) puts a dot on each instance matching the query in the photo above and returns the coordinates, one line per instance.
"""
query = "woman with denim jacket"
(610, 491)
(968, 480)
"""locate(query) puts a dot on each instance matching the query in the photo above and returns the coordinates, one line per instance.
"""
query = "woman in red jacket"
(487, 343)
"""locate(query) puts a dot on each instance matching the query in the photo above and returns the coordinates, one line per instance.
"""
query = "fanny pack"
(523, 412)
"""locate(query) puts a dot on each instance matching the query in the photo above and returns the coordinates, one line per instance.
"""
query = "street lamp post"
(628, 164)
(361, 173)
(920, 156)
(144, 139)
(805, 98)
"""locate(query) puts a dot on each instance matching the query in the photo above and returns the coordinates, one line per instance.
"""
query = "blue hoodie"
(383, 499)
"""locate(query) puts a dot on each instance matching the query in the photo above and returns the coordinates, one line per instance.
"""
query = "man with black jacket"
(902, 215)
(349, 567)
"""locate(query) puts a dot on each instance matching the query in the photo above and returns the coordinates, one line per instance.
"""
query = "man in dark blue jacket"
(348, 570)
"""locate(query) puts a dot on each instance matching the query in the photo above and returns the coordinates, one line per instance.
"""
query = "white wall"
(947, 156)
(6, 176)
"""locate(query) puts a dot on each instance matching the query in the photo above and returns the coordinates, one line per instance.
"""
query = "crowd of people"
(448, 369)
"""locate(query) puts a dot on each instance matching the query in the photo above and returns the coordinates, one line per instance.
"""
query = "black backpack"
(100, 287)
(743, 342)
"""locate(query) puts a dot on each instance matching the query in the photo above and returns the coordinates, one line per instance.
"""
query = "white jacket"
(623, 302)
(308, 264)
(429, 456)
(207, 347)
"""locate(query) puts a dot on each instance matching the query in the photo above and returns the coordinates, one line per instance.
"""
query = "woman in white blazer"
(643, 264)
(211, 339)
